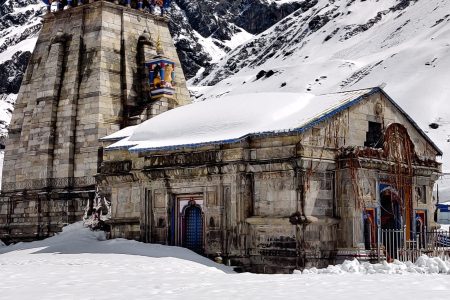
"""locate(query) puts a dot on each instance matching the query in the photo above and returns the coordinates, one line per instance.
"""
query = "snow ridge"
(423, 265)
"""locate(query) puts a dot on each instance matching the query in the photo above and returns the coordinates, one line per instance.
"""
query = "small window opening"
(374, 137)
(326, 182)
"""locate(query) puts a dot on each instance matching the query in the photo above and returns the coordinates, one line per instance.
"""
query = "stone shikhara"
(86, 79)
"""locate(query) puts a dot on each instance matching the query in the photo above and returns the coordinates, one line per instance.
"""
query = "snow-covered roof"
(118, 135)
(232, 119)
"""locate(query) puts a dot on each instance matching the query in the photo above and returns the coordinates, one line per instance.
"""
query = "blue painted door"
(193, 235)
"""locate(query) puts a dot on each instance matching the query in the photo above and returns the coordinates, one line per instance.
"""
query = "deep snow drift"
(80, 264)
(76, 239)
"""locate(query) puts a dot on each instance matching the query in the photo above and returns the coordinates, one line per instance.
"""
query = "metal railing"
(393, 244)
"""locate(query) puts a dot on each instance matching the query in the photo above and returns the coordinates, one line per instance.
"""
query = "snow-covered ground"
(80, 264)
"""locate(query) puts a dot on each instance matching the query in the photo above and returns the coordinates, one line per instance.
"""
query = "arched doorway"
(391, 221)
(391, 217)
(192, 229)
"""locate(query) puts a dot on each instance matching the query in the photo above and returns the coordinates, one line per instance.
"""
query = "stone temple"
(271, 183)
(89, 76)
(300, 181)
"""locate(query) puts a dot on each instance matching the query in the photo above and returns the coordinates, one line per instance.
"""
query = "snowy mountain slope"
(350, 44)
(19, 27)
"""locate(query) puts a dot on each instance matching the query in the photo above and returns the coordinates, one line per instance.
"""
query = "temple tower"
(87, 78)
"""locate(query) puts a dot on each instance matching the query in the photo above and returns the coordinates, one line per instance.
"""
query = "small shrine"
(161, 75)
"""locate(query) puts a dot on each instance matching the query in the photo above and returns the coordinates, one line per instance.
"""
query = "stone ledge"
(285, 220)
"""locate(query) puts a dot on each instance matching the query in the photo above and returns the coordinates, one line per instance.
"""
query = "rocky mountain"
(337, 45)
(19, 26)
(206, 30)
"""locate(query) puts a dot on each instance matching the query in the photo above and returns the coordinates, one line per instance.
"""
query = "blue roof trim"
(302, 129)
(115, 139)
(109, 148)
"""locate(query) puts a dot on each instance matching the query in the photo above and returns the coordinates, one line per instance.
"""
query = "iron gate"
(393, 244)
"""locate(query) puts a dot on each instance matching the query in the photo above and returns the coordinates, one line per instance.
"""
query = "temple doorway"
(190, 223)
(390, 206)
(391, 221)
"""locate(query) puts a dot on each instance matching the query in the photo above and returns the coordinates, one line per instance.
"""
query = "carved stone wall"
(86, 79)
(243, 203)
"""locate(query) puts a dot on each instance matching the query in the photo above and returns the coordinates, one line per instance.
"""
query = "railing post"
(378, 242)
(404, 238)
(425, 238)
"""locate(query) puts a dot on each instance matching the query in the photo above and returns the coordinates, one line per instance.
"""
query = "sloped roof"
(234, 118)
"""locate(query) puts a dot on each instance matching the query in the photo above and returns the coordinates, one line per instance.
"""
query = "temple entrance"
(189, 217)
(392, 234)
(390, 205)
(193, 227)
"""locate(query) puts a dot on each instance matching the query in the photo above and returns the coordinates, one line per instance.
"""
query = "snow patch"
(423, 265)
(76, 239)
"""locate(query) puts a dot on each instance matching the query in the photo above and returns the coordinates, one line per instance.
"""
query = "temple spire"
(159, 48)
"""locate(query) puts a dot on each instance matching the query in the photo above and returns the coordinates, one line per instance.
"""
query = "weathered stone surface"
(86, 79)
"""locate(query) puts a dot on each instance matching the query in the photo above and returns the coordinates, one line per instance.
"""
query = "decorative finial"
(159, 48)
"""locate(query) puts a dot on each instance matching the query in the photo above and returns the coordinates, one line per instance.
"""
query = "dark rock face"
(259, 17)
(190, 51)
(220, 20)
(9, 19)
(11, 72)
(318, 22)
(213, 18)
(16, 25)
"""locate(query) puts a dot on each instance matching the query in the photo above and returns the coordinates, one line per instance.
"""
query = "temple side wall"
(246, 206)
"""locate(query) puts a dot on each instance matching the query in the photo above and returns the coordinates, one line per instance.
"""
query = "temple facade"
(312, 186)
(88, 77)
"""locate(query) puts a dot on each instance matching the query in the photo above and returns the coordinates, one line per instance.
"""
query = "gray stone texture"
(86, 79)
